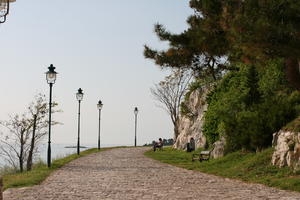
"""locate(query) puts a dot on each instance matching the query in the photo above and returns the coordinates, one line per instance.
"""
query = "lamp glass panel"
(79, 96)
(99, 105)
(51, 77)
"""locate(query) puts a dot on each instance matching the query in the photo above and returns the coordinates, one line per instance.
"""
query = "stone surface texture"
(191, 126)
(287, 149)
(219, 148)
(127, 174)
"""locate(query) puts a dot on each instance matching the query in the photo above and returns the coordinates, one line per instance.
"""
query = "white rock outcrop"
(219, 148)
(287, 149)
(191, 126)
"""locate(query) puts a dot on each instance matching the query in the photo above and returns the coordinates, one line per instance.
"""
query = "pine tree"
(237, 31)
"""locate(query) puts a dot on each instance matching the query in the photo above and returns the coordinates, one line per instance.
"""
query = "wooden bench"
(158, 147)
(202, 156)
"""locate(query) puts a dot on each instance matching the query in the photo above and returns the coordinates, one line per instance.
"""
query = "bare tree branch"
(170, 92)
(18, 144)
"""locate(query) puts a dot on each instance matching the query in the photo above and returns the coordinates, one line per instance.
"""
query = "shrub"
(249, 105)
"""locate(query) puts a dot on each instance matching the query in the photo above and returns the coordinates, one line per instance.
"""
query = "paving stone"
(127, 174)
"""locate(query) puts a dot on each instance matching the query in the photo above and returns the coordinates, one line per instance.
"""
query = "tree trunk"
(292, 72)
(176, 130)
(21, 151)
(30, 155)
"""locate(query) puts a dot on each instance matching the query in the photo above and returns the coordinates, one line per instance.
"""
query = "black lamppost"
(135, 113)
(99, 106)
(79, 96)
(50, 77)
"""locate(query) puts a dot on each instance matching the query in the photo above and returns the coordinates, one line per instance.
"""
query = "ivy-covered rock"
(191, 121)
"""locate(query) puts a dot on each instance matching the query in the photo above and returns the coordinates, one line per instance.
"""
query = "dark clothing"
(190, 146)
(157, 145)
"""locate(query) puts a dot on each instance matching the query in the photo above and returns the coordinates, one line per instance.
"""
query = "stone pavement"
(127, 174)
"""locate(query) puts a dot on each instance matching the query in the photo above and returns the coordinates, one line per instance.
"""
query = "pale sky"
(96, 45)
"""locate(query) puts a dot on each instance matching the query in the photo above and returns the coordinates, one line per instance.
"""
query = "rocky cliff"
(287, 149)
(191, 124)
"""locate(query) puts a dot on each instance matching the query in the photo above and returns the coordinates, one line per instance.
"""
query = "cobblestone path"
(127, 174)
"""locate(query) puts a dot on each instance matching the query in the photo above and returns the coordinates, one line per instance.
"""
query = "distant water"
(59, 151)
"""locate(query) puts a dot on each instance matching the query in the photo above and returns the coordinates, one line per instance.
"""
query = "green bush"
(249, 105)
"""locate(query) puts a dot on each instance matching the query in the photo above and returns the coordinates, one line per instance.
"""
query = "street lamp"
(50, 77)
(4, 9)
(79, 96)
(99, 106)
(135, 113)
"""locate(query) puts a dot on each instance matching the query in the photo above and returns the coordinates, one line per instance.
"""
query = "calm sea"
(59, 151)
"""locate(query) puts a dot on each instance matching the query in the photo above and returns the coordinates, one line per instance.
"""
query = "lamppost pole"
(99, 129)
(78, 138)
(135, 113)
(49, 135)
(50, 77)
(79, 97)
(99, 105)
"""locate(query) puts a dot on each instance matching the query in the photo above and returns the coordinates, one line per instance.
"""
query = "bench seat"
(202, 156)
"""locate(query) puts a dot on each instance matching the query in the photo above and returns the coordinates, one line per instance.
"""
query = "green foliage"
(184, 109)
(293, 125)
(247, 107)
(249, 31)
(245, 166)
(193, 86)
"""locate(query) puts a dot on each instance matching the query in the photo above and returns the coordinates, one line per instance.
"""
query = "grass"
(293, 126)
(40, 171)
(245, 166)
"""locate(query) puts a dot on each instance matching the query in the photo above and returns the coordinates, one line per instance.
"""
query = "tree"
(38, 112)
(239, 31)
(14, 145)
(189, 51)
(19, 143)
(170, 92)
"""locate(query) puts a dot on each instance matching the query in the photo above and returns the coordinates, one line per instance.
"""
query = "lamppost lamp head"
(51, 74)
(5, 1)
(4, 4)
(4, 9)
(136, 110)
(79, 95)
(100, 105)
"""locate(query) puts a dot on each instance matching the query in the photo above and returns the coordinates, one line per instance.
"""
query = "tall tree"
(247, 31)
(170, 92)
(188, 51)
(38, 113)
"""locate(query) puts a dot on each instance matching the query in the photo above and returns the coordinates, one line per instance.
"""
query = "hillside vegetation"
(250, 51)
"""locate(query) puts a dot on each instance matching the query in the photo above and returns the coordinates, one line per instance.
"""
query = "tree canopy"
(250, 49)
(236, 31)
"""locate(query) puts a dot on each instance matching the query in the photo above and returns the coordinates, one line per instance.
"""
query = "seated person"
(158, 144)
(191, 145)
